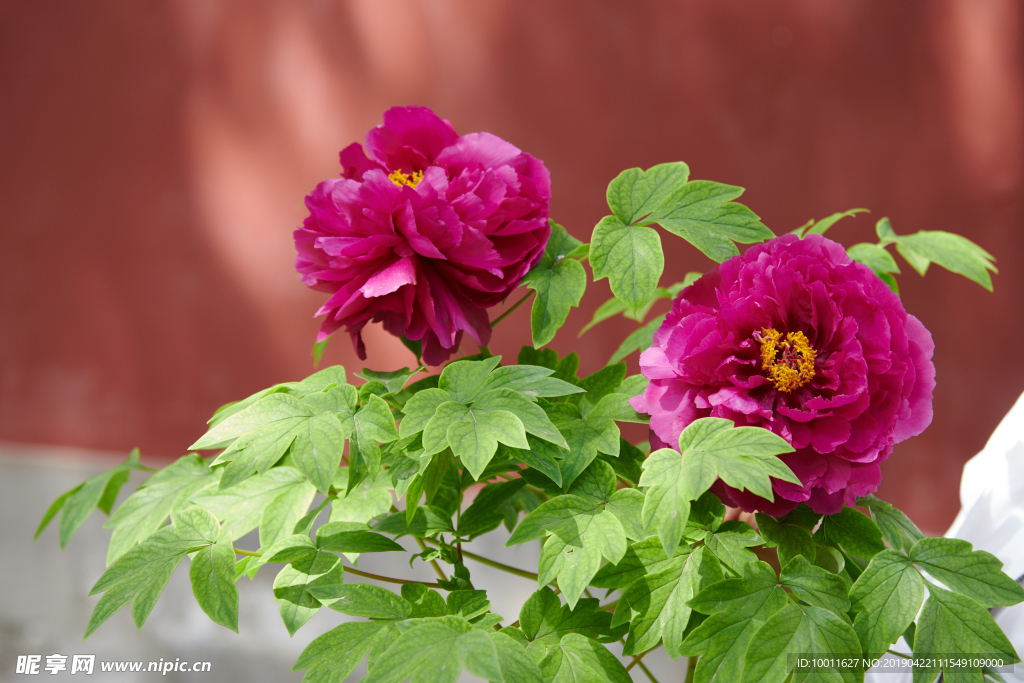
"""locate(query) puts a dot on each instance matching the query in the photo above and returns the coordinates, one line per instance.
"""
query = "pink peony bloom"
(794, 337)
(424, 235)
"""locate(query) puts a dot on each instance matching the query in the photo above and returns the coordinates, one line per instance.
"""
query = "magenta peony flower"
(424, 235)
(795, 337)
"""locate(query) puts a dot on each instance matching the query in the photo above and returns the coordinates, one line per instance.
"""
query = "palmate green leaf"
(76, 505)
(655, 606)
(428, 521)
(886, 597)
(352, 537)
(241, 508)
(277, 411)
(363, 600)
(541, 456)
(316, 382)
(819, 227)
(212, 574)
(792, 540)
(543, 616)
(531, 381)
(953, 625)
(146, 510)
(372, 423)
(362, 503)
(485, 512)
(974, 573)
(951, 251)
(630, 256)
(895, 526)
(331, 657)
(585, 436)
(559, 283)
(419, 409)
(635, 194)
(730, 543)
(638, 340)
(139, 575)
(577, 659)
(318, 449)
(472, 434)
(283, 512)
(704, 214)
(737, 608)
(436, 651)
(711, 448)
(517, 666)
(853, 531)
(799, 629)
(292, 586)
(393, 381)
(643, 558)
(258, 451)
(816, 586)
(465, 379)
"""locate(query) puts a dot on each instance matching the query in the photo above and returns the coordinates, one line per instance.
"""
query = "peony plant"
(778, 384)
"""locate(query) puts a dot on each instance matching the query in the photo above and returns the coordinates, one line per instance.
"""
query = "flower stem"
(437, 567)
(357, 572)
(636, 660)
(691, 667)
(509, 310)
(491, 563)
(643, 667)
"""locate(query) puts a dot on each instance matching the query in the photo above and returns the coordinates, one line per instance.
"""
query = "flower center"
(789, 362)
(399, 178)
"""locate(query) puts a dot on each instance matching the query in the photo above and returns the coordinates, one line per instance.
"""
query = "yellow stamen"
(795, 367)
(399, 178)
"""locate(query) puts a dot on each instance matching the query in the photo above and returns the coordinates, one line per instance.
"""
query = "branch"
(509, 310)
(357, 572)
(491, 563)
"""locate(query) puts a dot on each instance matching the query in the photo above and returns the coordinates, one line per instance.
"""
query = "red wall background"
(154, 156)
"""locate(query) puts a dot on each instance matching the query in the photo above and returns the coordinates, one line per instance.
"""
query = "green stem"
(610, 606)
(510, 309)
(357, 572)
(491, 563)
(437, 567)
(636, 660)
(643, 667)
(691, 667)
(898, 654)
(146, 469)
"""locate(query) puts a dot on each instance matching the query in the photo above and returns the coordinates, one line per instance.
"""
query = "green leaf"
(974, 573)
(559, 283)
(76, 505)
(585, 435)
(541, 456)
(874, 257)
(799, 629)
(428, 521)
(394, 380)
(484, 514)
(363, 600)
(950, 251)
(737, 608)
(425, 602)
(577, 659)
(516, 664)
(467, 603)
(730, 543)
(241, 508)
(792, 540)
(953, 625)
(317, 451)
(257, 451)
(54, 508)
(331, 657)
(635, 194)
(629, 463)
(543, 616)
(212, 574)
(656, 605)
(473, 434)
(630, 257)
(895, 526)
(886, 597)
(277, 411)
(712, 448)
(435, 651)
(139, 575)
(534, 419)
(148, 508)
(819, 227)
(363, 502)
(643, 558)
(703, 213)
(340, 538)
(531, 381)
(639, 340)
(464, 379)
(292, 586)
(419, 410)
(284, 511)
(816, 586)
(853, 531)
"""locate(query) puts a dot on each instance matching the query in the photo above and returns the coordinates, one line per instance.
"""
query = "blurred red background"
(155, 157)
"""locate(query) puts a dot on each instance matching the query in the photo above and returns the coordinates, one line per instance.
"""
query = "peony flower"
(425, 234)
(794, 337)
